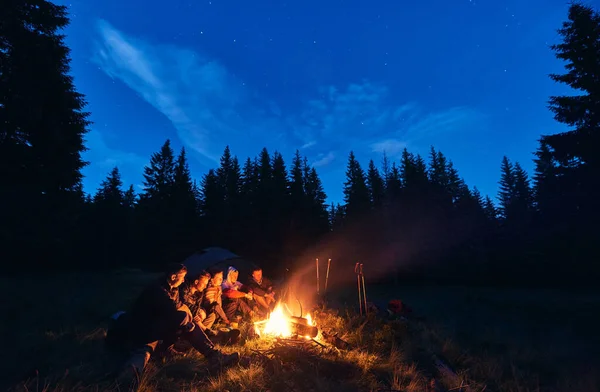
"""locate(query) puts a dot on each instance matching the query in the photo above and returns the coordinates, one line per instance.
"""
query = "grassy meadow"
(489, 340)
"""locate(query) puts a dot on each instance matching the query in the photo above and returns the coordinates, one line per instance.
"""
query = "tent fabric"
(218, 258)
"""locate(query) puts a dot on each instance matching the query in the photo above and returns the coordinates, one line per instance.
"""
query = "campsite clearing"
(506, 340)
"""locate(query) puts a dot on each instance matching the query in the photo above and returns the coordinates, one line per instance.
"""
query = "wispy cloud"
(210, 107)
(195, 93)
(343, 118)
(309, 144)
(391, 147)
(324, 159)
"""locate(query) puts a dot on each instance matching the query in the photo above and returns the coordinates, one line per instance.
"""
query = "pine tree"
(507, 188)
(376, 186)
(233, 193)
(109, 221)
(437, 169)
(157, 221)
(110, 192)
(580, 50)
(182, 179)
(546, 189)
(249, 185)
(305, 172)
(523, 192)
(440, 171)
(407, 168)
(159, 176)
(416, 186)
(317, 202)
(455, 183)
(42, 134)
(336, 216)
(229, 176)
(211, 198)
(184, 205)
(491, 211)
(478, 198)
(224, 169)
(297, 180)
(464, 201)
(248, 200)
(393, 187)
(235, 182)
(385, 169)
(421, 170)
(279, 180)
(130, 198)
(297, 193)
(264, 170)
(413, 172)
(279, 212)
(332, 216)
(297, 236)
(484, 219)
(575, 153)
(515, 196)
(42, 115)
(356, 192)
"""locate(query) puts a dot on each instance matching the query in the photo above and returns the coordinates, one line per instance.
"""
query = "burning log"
(281, 325)
(301, 326)
(300, 320)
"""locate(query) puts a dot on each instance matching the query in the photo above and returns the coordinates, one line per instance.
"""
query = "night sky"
(325, 77)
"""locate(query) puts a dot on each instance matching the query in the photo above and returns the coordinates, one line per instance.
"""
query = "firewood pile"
(291, 352)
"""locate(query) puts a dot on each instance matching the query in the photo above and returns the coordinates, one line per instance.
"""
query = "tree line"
(415, 218)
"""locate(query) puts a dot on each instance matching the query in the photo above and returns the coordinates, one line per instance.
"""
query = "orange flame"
(278, 324)
(309, 320)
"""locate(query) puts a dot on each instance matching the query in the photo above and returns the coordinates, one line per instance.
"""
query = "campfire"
(281, 324)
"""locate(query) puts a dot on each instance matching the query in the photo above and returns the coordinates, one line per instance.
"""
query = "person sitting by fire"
(191, 293)
(236, 296)
(212, 301)
(263, 291)
(158, 316)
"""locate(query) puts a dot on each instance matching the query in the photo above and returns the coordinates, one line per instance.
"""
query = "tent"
(218, 258)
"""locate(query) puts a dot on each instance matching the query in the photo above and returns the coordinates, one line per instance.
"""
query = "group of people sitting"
(185, 308)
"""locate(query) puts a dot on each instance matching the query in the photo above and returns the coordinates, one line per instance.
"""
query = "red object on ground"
(396, 306)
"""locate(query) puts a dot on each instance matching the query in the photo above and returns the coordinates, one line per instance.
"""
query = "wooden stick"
(322, 345)
(364, 289)
(327, 274)
(357, 271)
(318, 277)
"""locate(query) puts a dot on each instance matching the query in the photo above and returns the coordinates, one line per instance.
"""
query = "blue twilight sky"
(325, 77)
